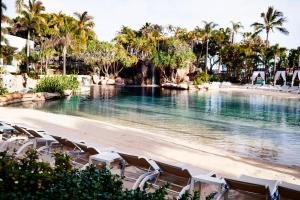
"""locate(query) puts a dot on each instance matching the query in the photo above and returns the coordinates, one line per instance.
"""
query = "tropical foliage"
(64, 41)
(57, 84)
(2, 89)
(272, 19)
(28, 178)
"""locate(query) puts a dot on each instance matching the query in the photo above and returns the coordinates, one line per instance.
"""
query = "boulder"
(181, 73)
(183, 85)
(111, 82)
(31, 83)
(68, 92)
(129, 81)
(186, 78)
(192, 87)
(96, 79)
(119, 81)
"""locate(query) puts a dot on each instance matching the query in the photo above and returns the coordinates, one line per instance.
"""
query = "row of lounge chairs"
(137, 171)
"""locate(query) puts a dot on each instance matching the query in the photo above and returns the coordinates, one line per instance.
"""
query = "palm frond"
(283, 30)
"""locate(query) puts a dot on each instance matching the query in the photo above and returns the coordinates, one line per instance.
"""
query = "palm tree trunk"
(64, 59)
(46, 66)
(232, 39)
(274, 65)
(267, 40)
(27, 44)
(206, 56)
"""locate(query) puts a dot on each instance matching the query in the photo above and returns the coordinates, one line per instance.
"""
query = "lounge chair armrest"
(144, 179)
(184, 190)
(84, 166)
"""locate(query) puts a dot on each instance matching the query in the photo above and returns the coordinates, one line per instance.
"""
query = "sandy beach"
(106, 136)
(274, 93)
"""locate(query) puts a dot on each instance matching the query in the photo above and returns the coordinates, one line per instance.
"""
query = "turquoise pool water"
(247, 125)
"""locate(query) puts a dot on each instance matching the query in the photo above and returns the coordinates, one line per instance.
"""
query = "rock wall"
(33, 97)
(16, 83)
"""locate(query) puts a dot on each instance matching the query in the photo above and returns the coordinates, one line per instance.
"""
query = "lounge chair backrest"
(178, 171)
(67, 143)
(92, 151)
(289, 191)
(34, 133)
(136, 161)
(249, 187)
(23, 131)
(83, 147)
(89, 150)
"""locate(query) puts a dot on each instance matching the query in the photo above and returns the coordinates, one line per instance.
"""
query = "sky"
(110, 15)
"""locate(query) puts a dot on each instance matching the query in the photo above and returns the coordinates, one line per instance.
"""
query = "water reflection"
(244, 124)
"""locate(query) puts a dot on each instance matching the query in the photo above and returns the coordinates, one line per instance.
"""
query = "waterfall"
(153, 75)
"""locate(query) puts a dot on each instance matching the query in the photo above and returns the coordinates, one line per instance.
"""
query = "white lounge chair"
(246, 187)
(288, 191)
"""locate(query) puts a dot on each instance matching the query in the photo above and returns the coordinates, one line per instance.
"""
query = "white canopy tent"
(256, 74)
(278, 74)
(296, 73)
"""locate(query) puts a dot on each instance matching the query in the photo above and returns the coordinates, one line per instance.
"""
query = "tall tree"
(272, 19)
(235, 29)
(84, 28)
(4, 19)
(31, 20)
(207, 33)
(65, 25)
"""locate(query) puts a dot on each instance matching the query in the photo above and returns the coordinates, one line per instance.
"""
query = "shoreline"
(278, 94)
(105, 135)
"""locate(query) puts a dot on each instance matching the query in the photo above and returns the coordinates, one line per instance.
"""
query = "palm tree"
(207, 33)
(65, 26)
(19, 5)
(235, 29)
(272, 19)
(31, 20)
(4, 19)
(84, 27)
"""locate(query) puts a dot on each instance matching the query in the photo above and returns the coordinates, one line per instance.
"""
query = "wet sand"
(106, 136)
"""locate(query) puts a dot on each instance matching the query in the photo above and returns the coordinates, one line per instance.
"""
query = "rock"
(31, 83)
(183, 85)
(48, 95)
(192, 87)
(186, 78)
(128, 81)
(96, 79)
(181, 73)
(192, 69)
(68, 92)
(103, 80)
(119, 81)
(111, 82)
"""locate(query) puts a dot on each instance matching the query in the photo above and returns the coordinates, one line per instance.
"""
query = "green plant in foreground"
(2, 89)
(28, 178)
(57, 84)
(200, 78)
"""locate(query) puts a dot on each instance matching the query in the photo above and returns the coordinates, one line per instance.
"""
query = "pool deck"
(107, 136)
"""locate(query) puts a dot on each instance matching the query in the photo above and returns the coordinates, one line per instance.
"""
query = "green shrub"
(2, 89)
(201, 77)
(57, 84)
(34, 74)
(214, 78)
(28, 178)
